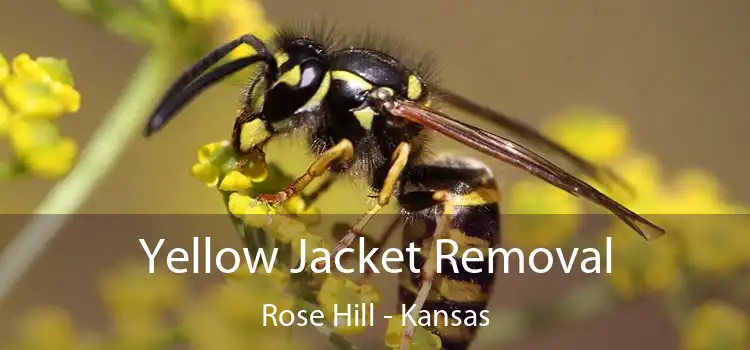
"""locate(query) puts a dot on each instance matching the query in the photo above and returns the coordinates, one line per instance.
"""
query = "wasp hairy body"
(367, 114)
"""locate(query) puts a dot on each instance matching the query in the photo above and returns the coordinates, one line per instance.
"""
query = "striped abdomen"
(457, 294)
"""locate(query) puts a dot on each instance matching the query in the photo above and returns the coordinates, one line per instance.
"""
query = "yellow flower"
(422, 339)
(244, 17)
(4, 69)
(697, 192)
(215, 161)
(342, 292)
(276, 277)
(643, 172)
(132, 290)
(235, 181)
(199, 10)
(297, 206)
(41, 148)
(715, 325)
(48, 329)
(288, 230)
(54, 161)
(597, 136)
(312, 242)
(713, 237)
(252, 212)
(41, 88)
(6, 116)
(230, 316)
(715, 243)
(639, 266)
(541, 215)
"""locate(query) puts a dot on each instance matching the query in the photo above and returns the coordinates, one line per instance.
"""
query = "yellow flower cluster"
(230, 317)
(702, 232)
(138, 301)
(716, 325)
(232, 18)
(155, 311)
(640, 267)
(36, 93)
(540, 215)
(337, 291)
(49, 329)
(216, 164)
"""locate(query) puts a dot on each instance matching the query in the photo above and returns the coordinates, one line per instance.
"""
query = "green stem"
(96, 161)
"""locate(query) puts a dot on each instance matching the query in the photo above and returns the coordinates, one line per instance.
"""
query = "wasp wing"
(519, 156)
(532, 135)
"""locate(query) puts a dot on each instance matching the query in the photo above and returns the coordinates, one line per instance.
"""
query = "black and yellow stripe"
(475, 224)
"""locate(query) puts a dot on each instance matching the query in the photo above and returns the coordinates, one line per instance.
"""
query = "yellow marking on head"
(351, 78)
(458, 291)
(253, 134)
(365, 117)
(479, 197)
(256, 103)
(257, 97)
(320, 94)
(291, 77)
(281, 58)
(414, 88)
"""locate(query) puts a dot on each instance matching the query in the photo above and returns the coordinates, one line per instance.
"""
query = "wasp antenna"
(186, 87)
(170, 107)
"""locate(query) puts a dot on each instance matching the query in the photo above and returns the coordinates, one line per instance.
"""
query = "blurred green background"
(675, 70)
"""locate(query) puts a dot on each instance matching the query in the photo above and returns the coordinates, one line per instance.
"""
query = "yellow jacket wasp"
(366, 114)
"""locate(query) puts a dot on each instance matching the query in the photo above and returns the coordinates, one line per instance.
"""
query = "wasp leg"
(429, 269)
(379, 245)
(312, 197)
(398, 163)
(341, 152)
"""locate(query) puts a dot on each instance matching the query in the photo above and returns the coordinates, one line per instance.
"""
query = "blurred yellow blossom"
(716, 325)
(644, 173)
(540, 215)
(715, 243)
(697, 192)
(41, 88)
(342, 292)
(132, 289)
(230, 316)
(4, 69)
(37, 91)
(230, 18)
(422, 339)
(199, 10)
(39, 145)
(312, 242)
(6, 116)
(138, 302)
(640, 267)
(242, 17)
(47, 329)
(597, 136)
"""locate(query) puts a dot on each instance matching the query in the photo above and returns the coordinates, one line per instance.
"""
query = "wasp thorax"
(302, 82)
